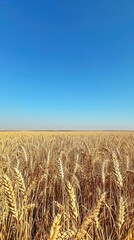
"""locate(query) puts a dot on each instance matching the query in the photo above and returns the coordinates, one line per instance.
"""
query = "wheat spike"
(130, 235)
(117, 171)
(121, 216)
(92, 216)
(60, 169)
(55, 228)
(10, 197)
(127, 162)
(20, 181)
(72, 201)
(103, 169)
(66, 234)
(25, 154)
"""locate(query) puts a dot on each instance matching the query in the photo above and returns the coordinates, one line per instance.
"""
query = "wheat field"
(66, 185)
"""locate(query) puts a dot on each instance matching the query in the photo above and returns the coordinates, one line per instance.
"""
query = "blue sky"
(67, 64)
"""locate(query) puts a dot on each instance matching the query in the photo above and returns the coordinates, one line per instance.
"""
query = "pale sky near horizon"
(67, 64)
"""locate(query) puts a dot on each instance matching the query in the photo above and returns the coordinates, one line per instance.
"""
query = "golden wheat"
(10, 196)
(89, 219)
(121, 216)
(72, 201)
(117, 171)
(60, 176)
(55, 228)
(20, 181)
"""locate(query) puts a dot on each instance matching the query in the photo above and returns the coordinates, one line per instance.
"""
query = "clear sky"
(67, 64)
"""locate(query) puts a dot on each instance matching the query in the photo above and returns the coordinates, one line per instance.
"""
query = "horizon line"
(66, 130)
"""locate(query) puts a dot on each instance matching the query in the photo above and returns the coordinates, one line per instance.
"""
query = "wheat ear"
(55, 228)
(72, 201)
(60, 169)
(66, 234)
(121, 216)
(20, 181)
(25, 154)
(92, 216)
(10, 196)
(117, 171)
